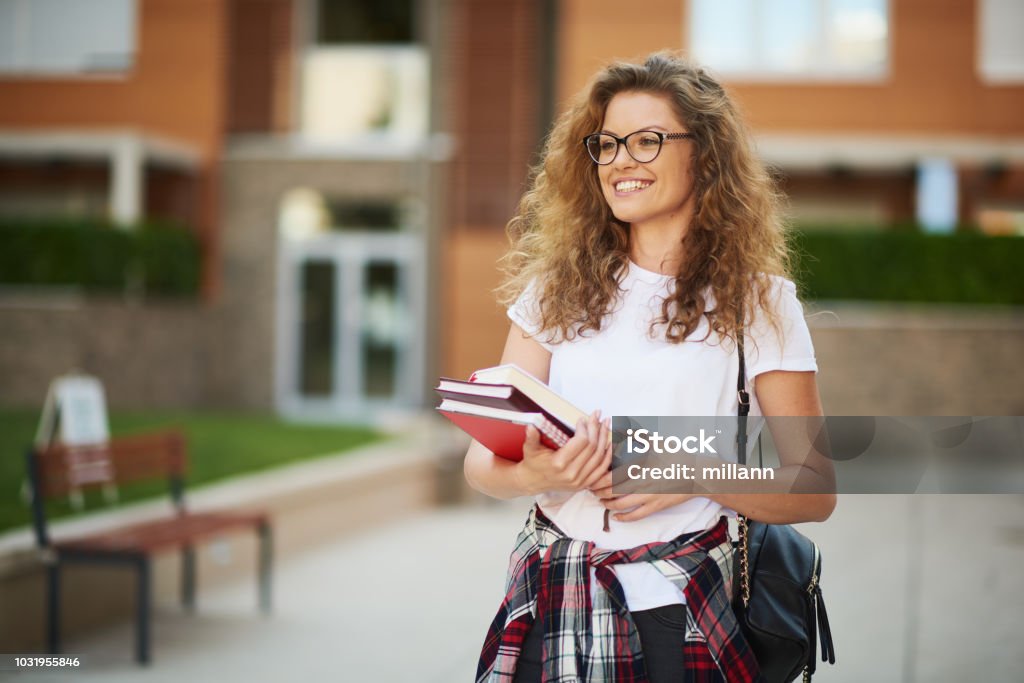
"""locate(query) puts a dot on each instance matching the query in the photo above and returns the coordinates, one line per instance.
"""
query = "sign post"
(75, 415)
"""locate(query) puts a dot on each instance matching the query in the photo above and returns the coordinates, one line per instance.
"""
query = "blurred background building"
(347, 167)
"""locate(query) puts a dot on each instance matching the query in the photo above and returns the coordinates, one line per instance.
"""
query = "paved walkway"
(923, 588)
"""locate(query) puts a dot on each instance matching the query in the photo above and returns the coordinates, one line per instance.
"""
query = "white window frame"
(825, 73)
(995, 72)
(22, 65)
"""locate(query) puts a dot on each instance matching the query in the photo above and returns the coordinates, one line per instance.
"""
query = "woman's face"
(659, 191)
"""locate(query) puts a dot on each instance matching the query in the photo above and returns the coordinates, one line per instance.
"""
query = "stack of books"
(497, 404)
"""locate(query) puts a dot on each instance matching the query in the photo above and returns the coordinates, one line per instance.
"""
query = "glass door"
(350, 325)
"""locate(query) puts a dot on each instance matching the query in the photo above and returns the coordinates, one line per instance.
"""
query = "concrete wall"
(147, 355)
(918, 360)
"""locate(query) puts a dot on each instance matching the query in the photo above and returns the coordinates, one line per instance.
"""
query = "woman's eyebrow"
(653, 127)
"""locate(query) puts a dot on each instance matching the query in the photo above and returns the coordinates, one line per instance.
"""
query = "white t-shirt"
(622, 371)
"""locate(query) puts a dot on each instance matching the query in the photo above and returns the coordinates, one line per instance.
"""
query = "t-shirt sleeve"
(790, 347)
(525, 312)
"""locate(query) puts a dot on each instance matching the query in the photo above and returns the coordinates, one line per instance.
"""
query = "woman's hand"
(577, 465)
(630, 507)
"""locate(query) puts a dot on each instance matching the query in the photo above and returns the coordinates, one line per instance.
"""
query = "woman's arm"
(782, 393)
(779, 393)
(576, 465)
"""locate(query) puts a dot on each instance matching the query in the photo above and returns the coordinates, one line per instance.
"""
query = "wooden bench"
(63, 471)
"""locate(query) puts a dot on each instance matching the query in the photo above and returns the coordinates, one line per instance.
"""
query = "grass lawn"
(219, 446)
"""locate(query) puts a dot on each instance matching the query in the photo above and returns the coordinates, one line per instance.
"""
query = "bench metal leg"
(53, 608)
(266, 559)
(142, 615)
(188, 577)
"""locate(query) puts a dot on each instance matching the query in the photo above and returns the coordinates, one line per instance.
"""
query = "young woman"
(648, 241)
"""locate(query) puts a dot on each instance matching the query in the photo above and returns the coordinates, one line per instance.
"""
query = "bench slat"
(173, 532)
(123, 460)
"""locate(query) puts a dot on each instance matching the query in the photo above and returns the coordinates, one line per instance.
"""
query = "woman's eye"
(649, 141)
(607, 145)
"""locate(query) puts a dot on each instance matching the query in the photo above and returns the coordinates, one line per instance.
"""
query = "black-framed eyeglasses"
(642, 145)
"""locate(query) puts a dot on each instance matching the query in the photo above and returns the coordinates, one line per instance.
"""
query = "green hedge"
(906, 265)
(97, 256)
(896, 264)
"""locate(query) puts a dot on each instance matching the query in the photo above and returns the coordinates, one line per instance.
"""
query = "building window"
(61, 37)
(365, 79)
(1001, 51)
(791, 38)
(366, 21)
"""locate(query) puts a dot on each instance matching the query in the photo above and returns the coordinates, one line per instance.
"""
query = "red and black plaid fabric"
(549, 583)
(700, 665)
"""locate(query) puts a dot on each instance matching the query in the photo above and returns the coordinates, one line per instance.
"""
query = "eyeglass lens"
(642, 145)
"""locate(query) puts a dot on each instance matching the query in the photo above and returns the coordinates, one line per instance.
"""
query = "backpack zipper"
(817, 569)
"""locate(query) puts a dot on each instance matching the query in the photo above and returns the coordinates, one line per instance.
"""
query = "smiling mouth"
(627, 186)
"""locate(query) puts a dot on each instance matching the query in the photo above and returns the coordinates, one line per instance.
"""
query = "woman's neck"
(656, 248)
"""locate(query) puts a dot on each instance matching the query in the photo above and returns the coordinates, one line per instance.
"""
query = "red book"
(496, 404)
(502, 431)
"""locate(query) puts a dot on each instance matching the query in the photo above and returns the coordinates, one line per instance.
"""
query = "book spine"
(517, 401)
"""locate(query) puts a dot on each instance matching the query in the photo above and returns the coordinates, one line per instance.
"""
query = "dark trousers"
(662, 632)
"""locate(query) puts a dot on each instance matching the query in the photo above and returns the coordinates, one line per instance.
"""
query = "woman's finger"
(599, 441)
(588, 438)
(602, 437)
(572, 448)
(532, 443)
(600, 469)
(603, 486)
(576, 459)
(590, 470)
(625, 502)
(641, 511)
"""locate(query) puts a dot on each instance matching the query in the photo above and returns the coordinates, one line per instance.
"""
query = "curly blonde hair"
(566, 238)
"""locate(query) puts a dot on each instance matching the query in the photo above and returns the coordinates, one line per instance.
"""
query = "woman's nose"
(622, 157)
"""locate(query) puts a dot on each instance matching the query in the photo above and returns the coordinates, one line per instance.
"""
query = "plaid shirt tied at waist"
(549, 582)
